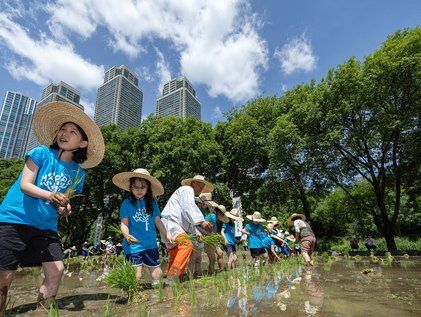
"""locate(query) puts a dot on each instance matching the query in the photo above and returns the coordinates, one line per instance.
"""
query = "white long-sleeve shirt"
(181, 214)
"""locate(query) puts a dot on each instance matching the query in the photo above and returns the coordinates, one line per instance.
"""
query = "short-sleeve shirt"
(212, 218)
(229, 232)
(141, 225)
(267, 242)
(53, 175)
(255, 230)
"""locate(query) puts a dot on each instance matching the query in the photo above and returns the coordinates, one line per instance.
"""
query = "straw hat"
(110, 238)
(256, 217)
(119, 245)
(221, 212)
(206, 198)
(234, 214)
(73, 248)
(273, 220)
(85, 243)
(50, 117)
(122, 180)
(277, 236)
(102, 241)
(270, 226)
(201, 179)
(303, 218)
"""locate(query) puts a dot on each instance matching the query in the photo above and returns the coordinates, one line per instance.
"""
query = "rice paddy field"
(336, 286)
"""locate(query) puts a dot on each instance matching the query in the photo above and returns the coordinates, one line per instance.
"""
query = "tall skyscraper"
(178, 99)
(15, 123)
(55, 92)
(119, 99)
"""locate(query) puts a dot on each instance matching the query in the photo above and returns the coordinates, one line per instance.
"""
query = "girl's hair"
(148, 196)
(231, 221)
(81, 154)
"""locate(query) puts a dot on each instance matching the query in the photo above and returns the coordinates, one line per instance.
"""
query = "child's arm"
(27, 186)
(245, 232)
(124, 225)
(223, 235)
(162, 230)
(272, 249)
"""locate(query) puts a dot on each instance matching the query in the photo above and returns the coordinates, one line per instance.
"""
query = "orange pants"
(179, 255)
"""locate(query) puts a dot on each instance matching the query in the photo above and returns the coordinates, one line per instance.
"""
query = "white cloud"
(89, 107)
(45, 60)
(296, 55)
(162, 71)
(217, 113)
(217, 41)
(145, 74)
(284, 87)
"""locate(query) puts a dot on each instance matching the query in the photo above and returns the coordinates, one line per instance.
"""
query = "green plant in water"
(325, 256)
(160, 290)
(358, 258)
(53, 311)
(107, 308)
(123, 276)
(192, 289)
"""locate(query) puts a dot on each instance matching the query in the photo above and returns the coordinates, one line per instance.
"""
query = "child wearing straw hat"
(139, 214)
(217, 213)
(181, 216)
(228, 232)
(29, 213)
(254, 231)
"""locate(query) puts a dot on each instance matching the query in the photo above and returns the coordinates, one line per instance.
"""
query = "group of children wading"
(54, 172)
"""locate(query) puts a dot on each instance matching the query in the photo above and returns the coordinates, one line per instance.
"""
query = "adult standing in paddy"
(304, 233)
(181, 216)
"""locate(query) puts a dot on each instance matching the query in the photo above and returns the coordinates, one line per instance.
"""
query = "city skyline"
(231, 51)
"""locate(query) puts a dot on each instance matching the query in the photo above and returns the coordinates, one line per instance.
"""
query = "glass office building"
(55, 92)
(178, 99)
(15, 123)
(119, 99)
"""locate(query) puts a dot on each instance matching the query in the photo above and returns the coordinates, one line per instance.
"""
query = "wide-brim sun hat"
(234, 214)
(122, 180)
(221, 213)
(73, 248)
(273, 220)
(295, 215)
(49, 118)
(270, 226)
(206, 198)
(208, 188)
(256, 217)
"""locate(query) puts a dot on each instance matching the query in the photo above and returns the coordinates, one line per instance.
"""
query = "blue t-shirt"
(212, 218)
(255, 230)
(141, 225)
(267, 242)
(53, 175)
(229, 232)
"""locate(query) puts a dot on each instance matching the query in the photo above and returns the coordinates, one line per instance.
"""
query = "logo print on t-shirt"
(55, 183)
(141, 215)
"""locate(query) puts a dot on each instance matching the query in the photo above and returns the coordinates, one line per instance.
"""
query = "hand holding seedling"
(130, 239)
(65, 211)
(59, 199)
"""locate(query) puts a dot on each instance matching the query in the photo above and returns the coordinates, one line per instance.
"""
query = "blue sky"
(231, 50)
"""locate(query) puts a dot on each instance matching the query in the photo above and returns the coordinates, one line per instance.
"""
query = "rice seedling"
(192, 289)
(107, 308)
(52, 311)
(116, 229)
(358, 258)
(325, 256)
(10, 303)
(160, 290)
(124, 278)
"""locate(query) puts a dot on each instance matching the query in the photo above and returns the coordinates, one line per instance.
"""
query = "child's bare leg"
(156, 272)
(220, 257)
(138, 272)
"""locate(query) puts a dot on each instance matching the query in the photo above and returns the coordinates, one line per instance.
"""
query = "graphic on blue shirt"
(229, 232)
(141, 225)
(53, 175)
(267, 242)
(212, 218)
(255, 230)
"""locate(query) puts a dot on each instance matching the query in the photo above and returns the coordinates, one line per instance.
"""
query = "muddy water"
(337, 288)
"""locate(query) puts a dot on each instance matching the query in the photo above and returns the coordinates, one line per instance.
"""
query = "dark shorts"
(230, 248)
(23, 245)
(149, 257)
(257, 252)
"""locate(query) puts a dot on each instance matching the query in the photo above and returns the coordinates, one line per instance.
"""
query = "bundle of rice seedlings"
(123, 276)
